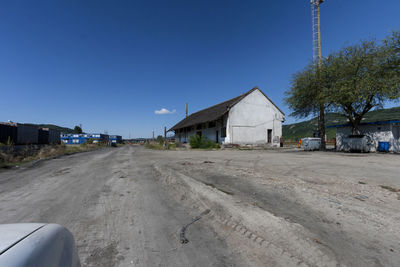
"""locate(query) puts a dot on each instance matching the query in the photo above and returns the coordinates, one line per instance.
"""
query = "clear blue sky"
(110, 64)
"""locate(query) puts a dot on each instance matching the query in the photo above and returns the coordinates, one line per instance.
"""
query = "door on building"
(216, 137)
(269, 136)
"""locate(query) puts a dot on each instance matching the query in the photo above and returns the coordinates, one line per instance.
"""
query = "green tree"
(367, 75)
(160, 139)
(352, 81)
(308, 94)
(77, 129)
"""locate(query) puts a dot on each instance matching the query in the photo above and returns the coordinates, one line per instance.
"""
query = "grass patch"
(197, 141)
(11, 157)
(160, 146)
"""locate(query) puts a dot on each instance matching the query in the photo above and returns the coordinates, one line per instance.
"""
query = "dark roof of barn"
(214, 112)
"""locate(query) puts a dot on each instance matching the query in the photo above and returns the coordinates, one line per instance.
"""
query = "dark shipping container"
(54, 137)
(27, 135)
(43, 136)
(8, 133)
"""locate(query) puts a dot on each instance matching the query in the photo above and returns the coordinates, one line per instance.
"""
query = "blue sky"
(109, 65)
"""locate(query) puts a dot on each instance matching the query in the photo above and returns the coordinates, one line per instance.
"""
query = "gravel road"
(126, 206)
(117, 212)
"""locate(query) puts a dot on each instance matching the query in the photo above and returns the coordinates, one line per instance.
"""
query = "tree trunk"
(355, 126)
(321, 127)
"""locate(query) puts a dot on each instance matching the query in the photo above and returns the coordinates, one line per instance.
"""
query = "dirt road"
(117, 212)
(126, 206)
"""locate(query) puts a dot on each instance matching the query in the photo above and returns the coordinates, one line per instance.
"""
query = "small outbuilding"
(251, 118)
(374, 136)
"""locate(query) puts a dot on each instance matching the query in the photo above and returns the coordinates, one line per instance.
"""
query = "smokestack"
(186, 114)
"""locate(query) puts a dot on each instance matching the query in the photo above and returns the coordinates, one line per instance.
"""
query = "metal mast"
(317, 60)
(316, 31)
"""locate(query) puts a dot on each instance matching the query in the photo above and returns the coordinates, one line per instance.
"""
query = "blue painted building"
(115, 139)
(77, 139)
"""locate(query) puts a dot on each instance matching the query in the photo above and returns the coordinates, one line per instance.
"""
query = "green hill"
(296, 131)
(52, 126)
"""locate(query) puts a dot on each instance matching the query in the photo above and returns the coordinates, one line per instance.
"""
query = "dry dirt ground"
(126, 206)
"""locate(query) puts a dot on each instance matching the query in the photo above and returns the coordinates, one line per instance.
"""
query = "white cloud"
(164, 111)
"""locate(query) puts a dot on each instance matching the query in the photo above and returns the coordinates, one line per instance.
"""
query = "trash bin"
(383, 146)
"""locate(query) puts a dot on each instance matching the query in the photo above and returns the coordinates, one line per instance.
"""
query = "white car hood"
(11, 234)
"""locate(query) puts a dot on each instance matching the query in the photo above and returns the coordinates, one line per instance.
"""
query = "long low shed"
(251, 118)
(373, 134)
(22, 134)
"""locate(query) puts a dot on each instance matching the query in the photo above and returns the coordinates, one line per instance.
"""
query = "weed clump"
(197, 141)
(160, 145)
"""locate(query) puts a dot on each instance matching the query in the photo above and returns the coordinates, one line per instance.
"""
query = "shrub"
(171, 146)
(160, 140)
(197, 141)
(89, 141)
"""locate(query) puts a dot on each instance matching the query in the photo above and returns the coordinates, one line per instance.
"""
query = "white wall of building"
(249, 121)
(209, 133)
(375, 133)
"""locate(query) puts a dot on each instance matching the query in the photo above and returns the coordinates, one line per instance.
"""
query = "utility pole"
(165, 133)
(186, 113)
(317, 59)
(153, 135)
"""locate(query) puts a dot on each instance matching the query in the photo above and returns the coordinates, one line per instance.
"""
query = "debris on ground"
(392, 189)
(317, 241)
(183, 239)
(361, 197)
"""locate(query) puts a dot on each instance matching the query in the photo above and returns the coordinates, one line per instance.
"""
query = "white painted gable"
(252, 119)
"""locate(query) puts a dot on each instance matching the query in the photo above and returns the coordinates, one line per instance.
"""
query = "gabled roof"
(214, 112)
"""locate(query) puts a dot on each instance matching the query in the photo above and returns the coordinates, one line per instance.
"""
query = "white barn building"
(251, 118)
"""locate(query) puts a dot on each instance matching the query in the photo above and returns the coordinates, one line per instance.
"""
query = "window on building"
(223, 132)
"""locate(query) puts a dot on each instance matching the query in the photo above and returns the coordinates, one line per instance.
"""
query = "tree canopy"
(77, 129)
(351, 81)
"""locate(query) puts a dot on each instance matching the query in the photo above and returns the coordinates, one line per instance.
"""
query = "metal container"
(27, 135)
(54, 137)
(43, 136)
(115, 139)
(311, 143)
(8, 133)
(356, 143)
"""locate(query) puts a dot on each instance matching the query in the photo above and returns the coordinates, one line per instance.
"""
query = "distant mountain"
(52, 126)
(296, 131)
